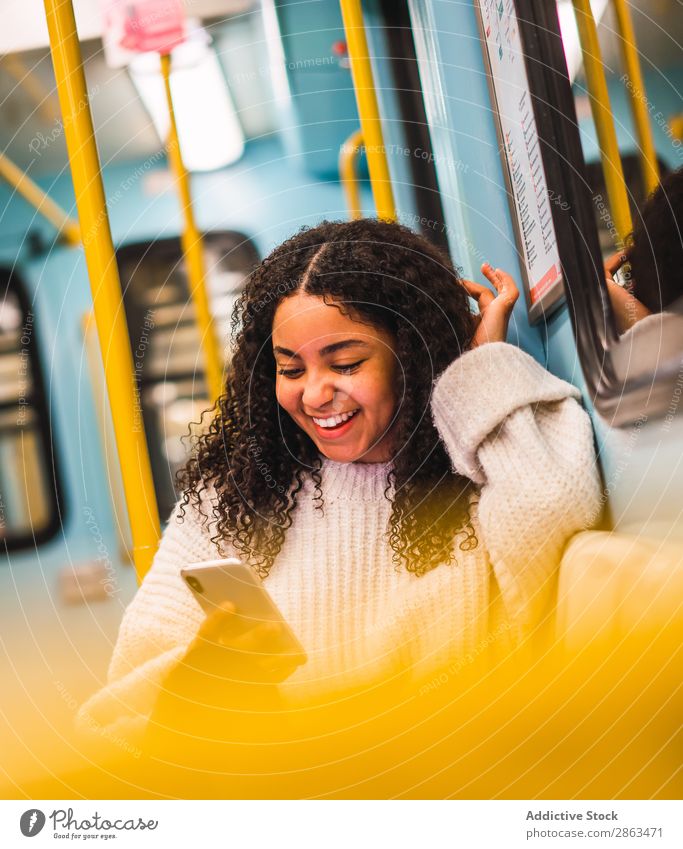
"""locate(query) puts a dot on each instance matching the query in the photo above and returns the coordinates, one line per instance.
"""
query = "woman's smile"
(335, 426)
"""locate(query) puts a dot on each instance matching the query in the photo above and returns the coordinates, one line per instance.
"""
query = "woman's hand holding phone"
(628, 310)
(226, 668)
(220, 697)
(235, 654)
(242, 650)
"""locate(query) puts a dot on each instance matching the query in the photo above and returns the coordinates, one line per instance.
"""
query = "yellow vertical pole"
(636, 91)
(42, 202)
(602, 117)
(104, 283)
(368, 109)
(193, 250)
(347, 172)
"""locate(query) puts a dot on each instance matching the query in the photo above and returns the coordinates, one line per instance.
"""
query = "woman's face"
(331, 367)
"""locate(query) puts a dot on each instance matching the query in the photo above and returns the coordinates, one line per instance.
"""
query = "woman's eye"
(349, 369)
(291, 372)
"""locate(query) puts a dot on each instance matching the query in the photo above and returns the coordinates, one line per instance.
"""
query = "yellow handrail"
(636, 90)
(347, 172)
(368, 109)
(104, 283)
(193, 251)
(98, 386)
(602, 117)
(38, 199)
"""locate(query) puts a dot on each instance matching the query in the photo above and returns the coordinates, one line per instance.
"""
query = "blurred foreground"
(602, 723)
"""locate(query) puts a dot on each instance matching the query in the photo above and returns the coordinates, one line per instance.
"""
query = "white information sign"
(519, 138)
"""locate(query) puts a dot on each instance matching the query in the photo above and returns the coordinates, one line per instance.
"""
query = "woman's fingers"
(223, 628)
(492, 275)
(218, 622)
(503, 282)
(495, 310)
(256, 639)
(614, 262)
(481, 294)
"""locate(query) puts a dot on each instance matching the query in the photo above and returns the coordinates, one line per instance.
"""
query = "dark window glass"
(28, 480)
(167, 353)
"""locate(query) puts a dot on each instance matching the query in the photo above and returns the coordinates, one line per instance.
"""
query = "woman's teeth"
(333, 421)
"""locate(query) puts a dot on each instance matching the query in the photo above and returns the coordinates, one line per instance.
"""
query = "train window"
(165, 340)
(632, 374)
(28, 478)
(633, 177)
(401, 57)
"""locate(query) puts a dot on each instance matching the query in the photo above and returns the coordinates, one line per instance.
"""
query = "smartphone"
(214, 582)
(622, 276)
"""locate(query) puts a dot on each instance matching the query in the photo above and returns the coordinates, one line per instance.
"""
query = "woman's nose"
(318, 393)
(322, 393)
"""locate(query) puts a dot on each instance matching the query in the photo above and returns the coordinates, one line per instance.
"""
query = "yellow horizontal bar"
(368, 110)
(636, 91)
(603, 119)
(347, 172)
(193, 250)
(31, 192)
(117, 357)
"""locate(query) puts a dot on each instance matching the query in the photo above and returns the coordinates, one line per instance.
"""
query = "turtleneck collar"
(354, 481)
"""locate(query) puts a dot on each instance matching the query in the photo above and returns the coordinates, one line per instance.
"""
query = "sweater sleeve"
(156, 630)
(520, 433)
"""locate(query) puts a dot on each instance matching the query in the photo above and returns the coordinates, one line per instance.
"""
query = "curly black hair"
(656, 253)
(255, 460)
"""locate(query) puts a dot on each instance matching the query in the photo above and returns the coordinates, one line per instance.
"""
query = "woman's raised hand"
(494, 310)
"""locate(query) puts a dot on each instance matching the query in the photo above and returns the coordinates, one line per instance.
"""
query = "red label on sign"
(544, 283)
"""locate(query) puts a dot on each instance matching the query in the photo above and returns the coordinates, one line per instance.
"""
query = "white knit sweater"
(516, 430)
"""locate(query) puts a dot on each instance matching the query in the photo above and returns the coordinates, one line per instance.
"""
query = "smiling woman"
(339, 383)
(427, 478)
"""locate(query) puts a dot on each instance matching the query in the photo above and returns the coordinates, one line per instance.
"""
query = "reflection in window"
(28, 501)
(167, 355)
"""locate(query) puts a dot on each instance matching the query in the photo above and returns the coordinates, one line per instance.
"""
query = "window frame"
(621, 401)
